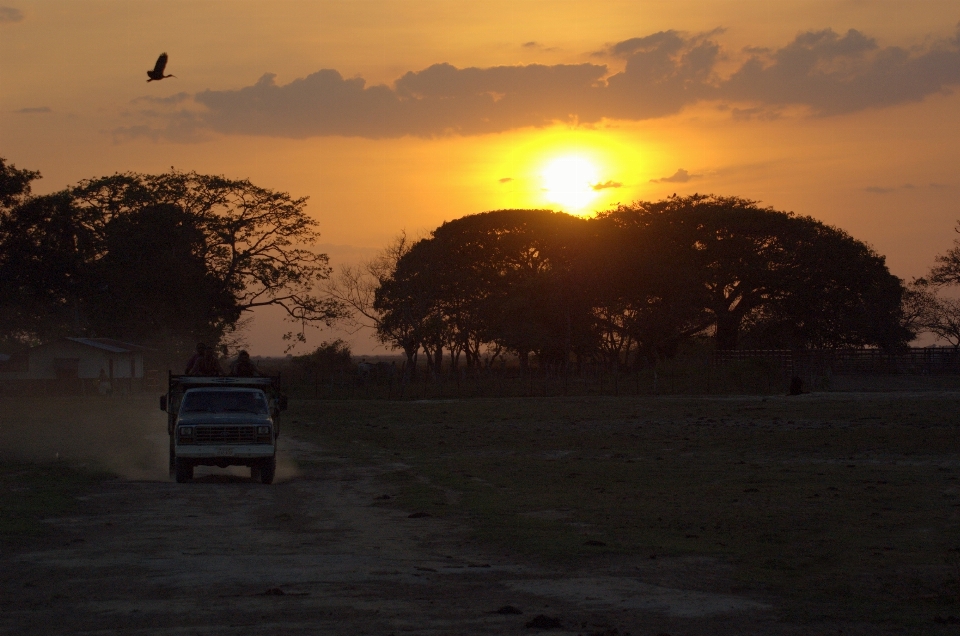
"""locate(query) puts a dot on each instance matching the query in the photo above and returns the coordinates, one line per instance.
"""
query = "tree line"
(627, 287)
(172, 259)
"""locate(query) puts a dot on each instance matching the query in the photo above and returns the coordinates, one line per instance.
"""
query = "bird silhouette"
(157, 72)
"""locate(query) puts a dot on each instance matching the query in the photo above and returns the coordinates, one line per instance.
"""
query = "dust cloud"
(120, 434)
(123, 435)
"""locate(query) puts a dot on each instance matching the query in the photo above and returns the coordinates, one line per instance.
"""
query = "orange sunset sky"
(399, 115)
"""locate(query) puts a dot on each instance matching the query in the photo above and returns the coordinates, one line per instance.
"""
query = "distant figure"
(196, 356)
(157, 73)
(207, 364)
(242, 367)
(103, 384)
(796, 385)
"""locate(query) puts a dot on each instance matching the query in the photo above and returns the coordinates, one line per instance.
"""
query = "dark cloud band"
(827, 72)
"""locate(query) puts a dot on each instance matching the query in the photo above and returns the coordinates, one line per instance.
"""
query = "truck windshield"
(225, 402)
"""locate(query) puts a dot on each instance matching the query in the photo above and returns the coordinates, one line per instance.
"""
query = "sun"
(568, 181)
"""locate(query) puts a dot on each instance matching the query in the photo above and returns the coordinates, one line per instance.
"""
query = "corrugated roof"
(108, 344)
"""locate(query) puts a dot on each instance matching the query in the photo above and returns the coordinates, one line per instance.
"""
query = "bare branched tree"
(927, 310)
(355, 286)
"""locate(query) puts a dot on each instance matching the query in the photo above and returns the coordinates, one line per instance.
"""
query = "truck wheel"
(173, 463)
(184, 470)
(268, 469)
(255, 472)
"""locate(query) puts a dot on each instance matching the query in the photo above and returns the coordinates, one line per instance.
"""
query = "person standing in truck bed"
(194, 358)
(207, 364)
(243, 367)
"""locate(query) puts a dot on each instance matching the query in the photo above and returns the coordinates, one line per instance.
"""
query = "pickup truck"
(223, 421)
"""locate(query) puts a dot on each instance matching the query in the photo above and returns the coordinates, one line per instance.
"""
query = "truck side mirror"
(163, 402)
(282, 402)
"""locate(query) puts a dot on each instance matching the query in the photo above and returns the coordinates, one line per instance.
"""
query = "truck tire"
(255, 472)
(173, 456)
(268, 469)
(184, 470)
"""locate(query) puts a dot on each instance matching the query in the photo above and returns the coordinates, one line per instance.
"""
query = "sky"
(397, 116)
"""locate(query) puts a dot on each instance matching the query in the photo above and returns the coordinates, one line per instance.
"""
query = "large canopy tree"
(748, 266)
(167, 258)
(504, 278)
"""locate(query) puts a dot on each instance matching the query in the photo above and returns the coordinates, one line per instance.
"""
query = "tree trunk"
(728, 330)
(409, 371)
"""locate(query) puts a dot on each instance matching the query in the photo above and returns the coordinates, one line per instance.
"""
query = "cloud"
(822, 72)
(680, 176)
(439, 100)
(905, 186)
(176, 98)
(10, 15)
(532, 44)
(605, 185)
(833, 74)
(37, 110)
(760, 113)
(505, 180)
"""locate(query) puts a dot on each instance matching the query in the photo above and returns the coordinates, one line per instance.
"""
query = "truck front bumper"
(225, 451)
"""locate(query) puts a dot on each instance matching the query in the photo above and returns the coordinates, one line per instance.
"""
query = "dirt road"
(325, 552)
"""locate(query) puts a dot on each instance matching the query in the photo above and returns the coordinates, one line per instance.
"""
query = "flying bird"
(157, 72)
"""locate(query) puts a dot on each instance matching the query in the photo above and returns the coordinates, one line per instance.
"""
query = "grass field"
(840, 506)
(833, 506)
(30, 493)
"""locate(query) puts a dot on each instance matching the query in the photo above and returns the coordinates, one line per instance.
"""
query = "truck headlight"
(186, 431)
(263, 430)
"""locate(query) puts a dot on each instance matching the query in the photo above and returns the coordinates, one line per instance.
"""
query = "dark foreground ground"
(823, 514)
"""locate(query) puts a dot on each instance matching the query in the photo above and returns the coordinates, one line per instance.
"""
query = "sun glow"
(575, 171)
(569, 181)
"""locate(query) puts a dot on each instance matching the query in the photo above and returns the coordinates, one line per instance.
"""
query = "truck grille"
(226, 434)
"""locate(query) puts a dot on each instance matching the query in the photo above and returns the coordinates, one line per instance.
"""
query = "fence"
(688, 376)
(820, 362)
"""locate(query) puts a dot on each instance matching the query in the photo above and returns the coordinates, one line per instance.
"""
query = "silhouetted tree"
(46, 250)
(646, 292)
(759, 267)
(928, 311)
(178, 255)
(405, 306)
(947, 268)
(14, 184)
(938, 314)
(153, 281)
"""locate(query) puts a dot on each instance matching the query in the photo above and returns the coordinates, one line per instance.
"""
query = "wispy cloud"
(680, 176)
(605, 185)
(10, 14)
(820, 72)
(538, 45)
(36, 110)
(905, 186)
(505, 180)
(762, 113)
(176, 98)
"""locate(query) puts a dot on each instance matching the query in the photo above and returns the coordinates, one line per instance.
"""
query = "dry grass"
(30, 493)
(841, 505)
(836, 505)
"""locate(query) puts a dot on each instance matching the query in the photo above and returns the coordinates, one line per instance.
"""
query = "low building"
(77, 365)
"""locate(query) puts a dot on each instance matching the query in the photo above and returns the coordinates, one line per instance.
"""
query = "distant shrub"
(326, 361)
